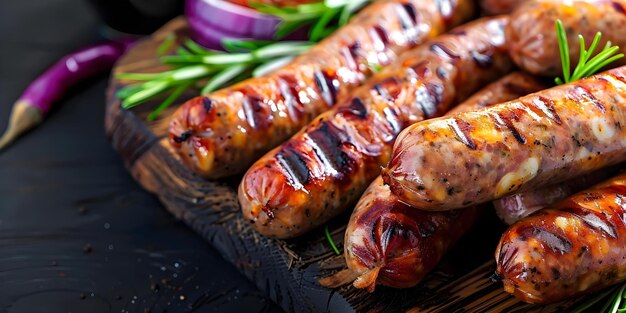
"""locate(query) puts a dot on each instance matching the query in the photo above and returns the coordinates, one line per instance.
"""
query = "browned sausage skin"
(534, 45)
(513, 208)
(496, 7)
(390, 243)
(324, 168)
(221, 134)
(537, 140)
(577, 246)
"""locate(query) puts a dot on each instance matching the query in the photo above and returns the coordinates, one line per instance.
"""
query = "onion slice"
(228, 18)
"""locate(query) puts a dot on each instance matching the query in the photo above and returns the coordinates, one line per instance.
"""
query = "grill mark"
(618, 7)
(442, 73)
(428, 98)
(421, 69)
(546, 106)
(388, 88)
(290, 96)
(618, 75)
(392, 119)
(379, 37)
(507, 121)
(462, 130)
(441, 50)
(328, 86)
(598, 222)
(557, 243)
(482, 60)
(581, 94)
(295, 167)
(327, 142)
(356, 108)
(350, 58)
(256, 116)
(183, 136)
(207, 103)
(407, 16)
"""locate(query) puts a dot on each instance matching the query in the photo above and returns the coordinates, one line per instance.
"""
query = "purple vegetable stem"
(87, 62)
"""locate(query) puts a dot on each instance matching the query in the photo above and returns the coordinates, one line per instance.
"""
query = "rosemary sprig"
(330, 240)
(318, 15)
(587, 65)
(195, 67)
(196, 64)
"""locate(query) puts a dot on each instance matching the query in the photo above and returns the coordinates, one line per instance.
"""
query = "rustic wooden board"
(289, 270)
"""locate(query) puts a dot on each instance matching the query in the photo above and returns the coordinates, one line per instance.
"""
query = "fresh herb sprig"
(330, 241)
(587, 65)
(319, 15)
(615, 298)
(195, 67)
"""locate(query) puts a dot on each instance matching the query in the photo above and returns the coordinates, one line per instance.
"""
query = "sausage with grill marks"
(575, 247)
(534, 44)
(222, 133)
(495, 7)
(390, 243)
(513, 208)
(324, 168)
(541, 139)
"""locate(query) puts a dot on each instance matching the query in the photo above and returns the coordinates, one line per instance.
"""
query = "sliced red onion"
(232, 19)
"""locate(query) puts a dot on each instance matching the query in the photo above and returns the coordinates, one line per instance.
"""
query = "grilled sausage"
(221, 134)
(577, 246)
(390, 243)
(324, 168)
(513, 208)
(534, 45)
(495, 7)
(544, 138)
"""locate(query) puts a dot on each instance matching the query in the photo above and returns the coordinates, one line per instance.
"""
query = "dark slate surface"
(77, 234)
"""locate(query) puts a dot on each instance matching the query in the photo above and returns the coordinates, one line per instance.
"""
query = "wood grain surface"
(288, 271)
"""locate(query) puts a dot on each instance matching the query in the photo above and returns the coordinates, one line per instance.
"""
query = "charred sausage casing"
(495, 7)
(575, 247)
(513, 208)
(222, 133)
(534, 45)
(324, 168)
(544, 138)
(390, 243)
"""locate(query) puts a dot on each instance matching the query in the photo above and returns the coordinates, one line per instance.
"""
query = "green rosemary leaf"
(190, 72)
(178, 91)
(284, 28)
(127, 91)
(166, 44)
(281, 49)
(330, 240)
(198, 49)
(235, 45)
(223, 77)
(317, 31)
(563, 49)
(226, 59)
(271, 66)
(139, 76)
(587, 65)
(144, 95)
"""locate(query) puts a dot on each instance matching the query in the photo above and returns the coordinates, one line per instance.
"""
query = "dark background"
(76, 233)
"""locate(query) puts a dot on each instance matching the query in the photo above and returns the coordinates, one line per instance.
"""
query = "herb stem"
(330, 240)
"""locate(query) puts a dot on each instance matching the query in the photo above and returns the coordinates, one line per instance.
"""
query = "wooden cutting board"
(289, 270)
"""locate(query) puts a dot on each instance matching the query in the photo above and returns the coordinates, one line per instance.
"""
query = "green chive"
(271, 66)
